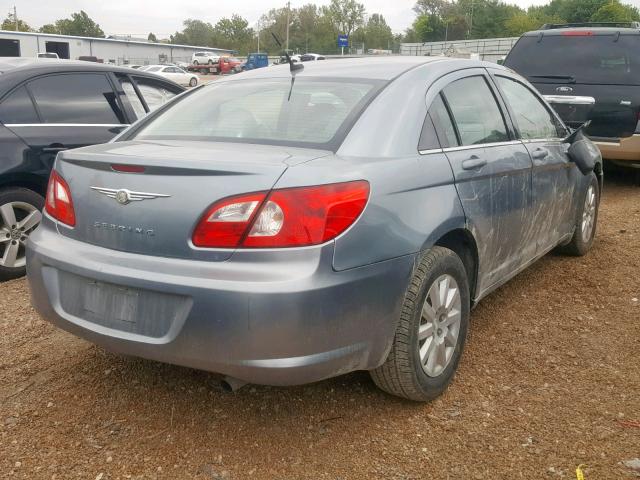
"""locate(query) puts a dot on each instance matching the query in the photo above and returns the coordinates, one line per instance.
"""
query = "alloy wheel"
(439, 325)
(17, 221)
(588, 214)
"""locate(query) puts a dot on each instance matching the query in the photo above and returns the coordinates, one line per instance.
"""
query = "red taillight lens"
(578, 33)
(59, 203)
(225, 223)
(289, 217)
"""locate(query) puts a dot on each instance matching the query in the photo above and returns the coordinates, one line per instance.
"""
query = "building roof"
(115, 40)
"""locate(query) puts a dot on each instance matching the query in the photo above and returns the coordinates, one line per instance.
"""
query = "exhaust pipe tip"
(231, 384)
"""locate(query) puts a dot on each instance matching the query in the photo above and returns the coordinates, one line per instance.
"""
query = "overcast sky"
(164, 17)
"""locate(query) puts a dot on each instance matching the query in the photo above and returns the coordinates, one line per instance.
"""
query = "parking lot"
(549, 381)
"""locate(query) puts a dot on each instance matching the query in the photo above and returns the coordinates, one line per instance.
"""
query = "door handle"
(539, 153)
(53, 149)
(474, 162)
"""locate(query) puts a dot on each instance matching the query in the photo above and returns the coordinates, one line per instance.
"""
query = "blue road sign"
(343, 40)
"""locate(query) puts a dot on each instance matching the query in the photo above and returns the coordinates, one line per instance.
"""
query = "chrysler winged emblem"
(124, 196)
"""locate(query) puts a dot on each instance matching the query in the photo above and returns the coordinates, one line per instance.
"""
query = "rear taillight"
(288, 217)
(59, 203)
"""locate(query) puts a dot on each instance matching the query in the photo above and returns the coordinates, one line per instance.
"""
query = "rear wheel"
(210, 62)
(586, 221)
(193, 82)
(19, 216)
(195, 62)
(431, 331)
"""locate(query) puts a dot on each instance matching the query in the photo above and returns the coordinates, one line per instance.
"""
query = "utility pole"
(288, 14)
(15, 16)
(258, 36)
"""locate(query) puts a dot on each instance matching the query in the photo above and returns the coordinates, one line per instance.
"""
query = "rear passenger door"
(492, 171)
(554, 176)
(73, 110)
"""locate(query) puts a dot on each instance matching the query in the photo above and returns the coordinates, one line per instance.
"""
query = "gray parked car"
(284, 232)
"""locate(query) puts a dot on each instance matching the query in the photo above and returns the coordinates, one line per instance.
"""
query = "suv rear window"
(596, 59)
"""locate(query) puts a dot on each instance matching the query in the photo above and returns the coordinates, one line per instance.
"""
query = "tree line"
(315, 28)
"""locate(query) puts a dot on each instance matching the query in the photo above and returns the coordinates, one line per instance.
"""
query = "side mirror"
(582, 151)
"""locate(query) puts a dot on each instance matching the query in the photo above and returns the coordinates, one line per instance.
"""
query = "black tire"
(402, 374)
(193, 82)
(16, 195)
(579, 245)
(210, 62)
(195, 62)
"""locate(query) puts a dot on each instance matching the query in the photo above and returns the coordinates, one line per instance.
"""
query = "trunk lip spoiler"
(570, 99)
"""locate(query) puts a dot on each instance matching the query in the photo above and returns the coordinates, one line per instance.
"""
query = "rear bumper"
(278, 318)
(625, 149)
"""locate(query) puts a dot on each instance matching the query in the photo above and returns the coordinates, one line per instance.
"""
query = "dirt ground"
(550, 379)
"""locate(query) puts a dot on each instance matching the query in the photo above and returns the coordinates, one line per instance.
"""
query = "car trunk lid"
(147, 196)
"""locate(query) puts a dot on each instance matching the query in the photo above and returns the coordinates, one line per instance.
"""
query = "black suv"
(589, 72)
(51, 105)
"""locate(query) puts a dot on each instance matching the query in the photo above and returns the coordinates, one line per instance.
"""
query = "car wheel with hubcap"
(586, 220)
(193, 82)
(431, 332)
(19, 216)
(195, 62)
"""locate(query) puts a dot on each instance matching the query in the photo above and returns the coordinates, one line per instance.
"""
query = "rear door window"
(598, 59)
(78, 98)
(18, 108)
(475, 111)
(532, 118)
(155, 93)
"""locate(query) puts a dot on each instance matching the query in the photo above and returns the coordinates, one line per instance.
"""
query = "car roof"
(594, 31)
(379, 68)
(19, 69)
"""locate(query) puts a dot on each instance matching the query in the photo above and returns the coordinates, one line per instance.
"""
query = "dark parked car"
(589, 72)
(47, 106)
(282, 233)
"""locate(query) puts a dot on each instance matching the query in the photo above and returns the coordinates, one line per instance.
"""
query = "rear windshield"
(317, 114)
(598, 59)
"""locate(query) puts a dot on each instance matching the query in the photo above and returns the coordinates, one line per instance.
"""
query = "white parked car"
(309, 57)
(176, 74)
(202, 58)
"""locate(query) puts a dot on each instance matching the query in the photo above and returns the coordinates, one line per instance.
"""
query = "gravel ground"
(550, 379)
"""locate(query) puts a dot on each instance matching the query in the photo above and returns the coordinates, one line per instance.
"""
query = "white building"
(117, 51)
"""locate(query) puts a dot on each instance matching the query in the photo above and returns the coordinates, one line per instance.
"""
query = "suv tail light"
(59, 203)
(288, 217)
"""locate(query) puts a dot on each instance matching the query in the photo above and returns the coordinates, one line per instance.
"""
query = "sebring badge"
(124, 196)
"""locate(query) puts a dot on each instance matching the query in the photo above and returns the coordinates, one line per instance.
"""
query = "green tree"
(344, 15)
(195, 32)
(152, 38)
(574, 11)
(80, 25)
(234, 34)
(377, 34)
(10, 24)
(616, 12)
(49, 28)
